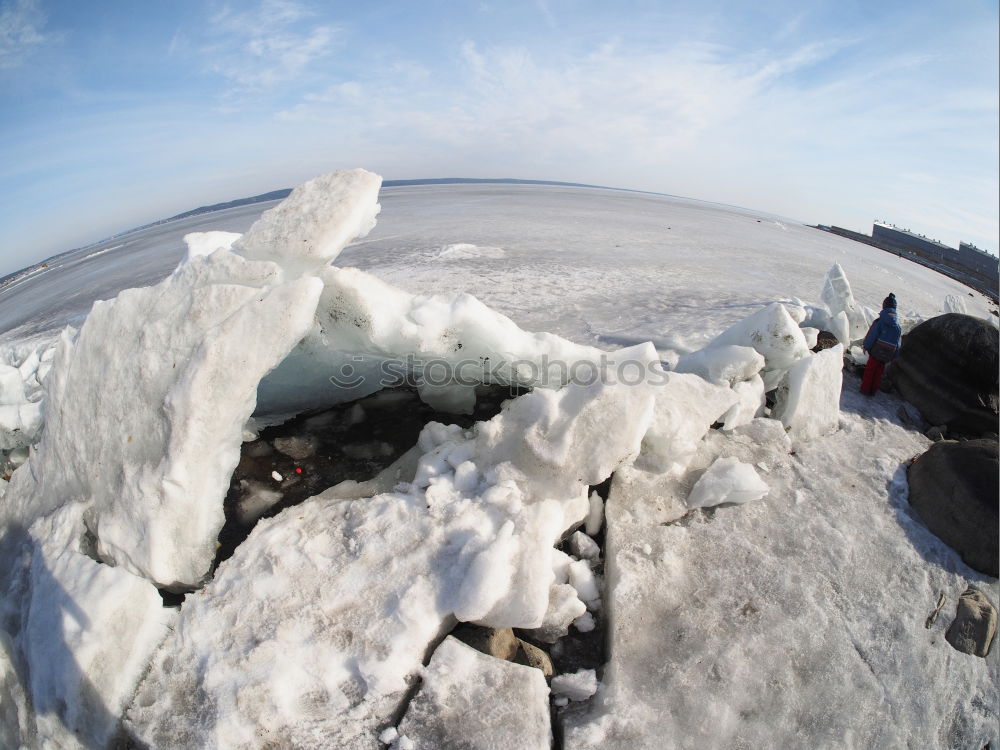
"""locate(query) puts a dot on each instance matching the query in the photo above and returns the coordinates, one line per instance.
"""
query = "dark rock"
(825, 340)
(532, 656)
(947, 368)
(498, 642)
(953, 488)
(936, 433)
(975, 624)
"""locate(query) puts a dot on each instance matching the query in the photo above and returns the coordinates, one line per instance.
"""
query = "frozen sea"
(598, 266)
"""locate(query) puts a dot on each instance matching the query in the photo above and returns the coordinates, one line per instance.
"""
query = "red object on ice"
(298, 469)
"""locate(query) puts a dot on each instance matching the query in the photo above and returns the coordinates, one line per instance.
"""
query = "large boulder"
(953, 488)
(947, 368)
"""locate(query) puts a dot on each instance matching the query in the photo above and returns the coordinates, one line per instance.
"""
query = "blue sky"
(114, 114)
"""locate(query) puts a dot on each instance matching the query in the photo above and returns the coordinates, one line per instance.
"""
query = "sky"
(114, 114)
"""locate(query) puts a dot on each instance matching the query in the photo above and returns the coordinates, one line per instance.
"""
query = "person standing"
(881, 344)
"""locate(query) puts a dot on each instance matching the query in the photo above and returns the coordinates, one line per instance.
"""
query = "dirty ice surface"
(756, 571)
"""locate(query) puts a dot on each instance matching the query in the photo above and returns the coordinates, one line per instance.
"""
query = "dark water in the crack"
(318, 450)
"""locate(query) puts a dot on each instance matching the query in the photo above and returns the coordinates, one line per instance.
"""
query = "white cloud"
(264, 46)
(20, 32)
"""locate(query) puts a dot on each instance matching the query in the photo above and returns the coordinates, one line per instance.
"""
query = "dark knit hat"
(889, 301)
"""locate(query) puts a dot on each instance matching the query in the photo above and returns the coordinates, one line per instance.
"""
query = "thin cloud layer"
(21, 25)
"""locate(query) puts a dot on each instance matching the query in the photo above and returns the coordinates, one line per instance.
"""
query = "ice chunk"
(809, 405)
(89, 633)
(29, 365)
(370, 334)
(728, 480)
(751, 401)
(686, 407)
(454, 398)
(477, 702)
(577, 686)
(595, 518)
(839, 298)
(955, 304)
(256, 499)
(585, 622)
(312, 225)
(20, 425)
(296, 447)
(724, 364)
(149, 445)
(564, 608)
(560, 566)
(11, 385)
(583, 546)
(840, 326)
(375, 581)
(772, 332)
(206, 243)
(812, 336)
(582, 578)
(388, 735)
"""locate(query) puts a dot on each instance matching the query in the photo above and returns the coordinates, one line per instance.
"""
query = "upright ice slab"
(145, 410)
(311, 226)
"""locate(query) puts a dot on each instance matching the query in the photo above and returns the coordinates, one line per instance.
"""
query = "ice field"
(755, 571)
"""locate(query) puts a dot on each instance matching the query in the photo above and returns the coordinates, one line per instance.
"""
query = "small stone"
(498, 642)
(975, 624)
(532, 656)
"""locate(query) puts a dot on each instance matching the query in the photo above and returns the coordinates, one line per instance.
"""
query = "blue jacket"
(887, 331)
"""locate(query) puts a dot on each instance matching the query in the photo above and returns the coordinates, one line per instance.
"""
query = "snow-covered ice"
(478, 702)
(728, 480)
(795, 616)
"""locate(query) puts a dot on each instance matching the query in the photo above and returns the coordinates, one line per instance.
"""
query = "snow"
(774, 334)
(206, 243)
(339, 620)
(595, 517)
(795, 616)
(467, 251)
(728, 480)
(308, 229)
(808, 402)
(134, 442)
(583, 546)
(88, 632)
(478, 702)
(838, 298)
(686, 407)
(577, 686)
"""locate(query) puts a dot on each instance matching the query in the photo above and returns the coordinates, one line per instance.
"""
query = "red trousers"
(873, 376)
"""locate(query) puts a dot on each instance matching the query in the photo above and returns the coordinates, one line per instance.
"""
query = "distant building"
(979, 260)
(967, 264)
(905, 239)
